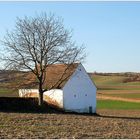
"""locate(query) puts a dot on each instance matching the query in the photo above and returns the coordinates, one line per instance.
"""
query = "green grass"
(112, 81)
(114, 86)
(109, 104)
(133, 95)
(108, 80)
(132, 83)
(119, 88)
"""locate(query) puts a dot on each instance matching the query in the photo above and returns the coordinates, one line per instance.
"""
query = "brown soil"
(104, 97)
(119, 113)
(118, 91)
(119, 87)
(109, 124)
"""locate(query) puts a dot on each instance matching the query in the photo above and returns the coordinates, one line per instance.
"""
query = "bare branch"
(38, 42)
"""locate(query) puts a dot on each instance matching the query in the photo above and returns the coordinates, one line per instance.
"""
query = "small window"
(85, 94)
(75, 95)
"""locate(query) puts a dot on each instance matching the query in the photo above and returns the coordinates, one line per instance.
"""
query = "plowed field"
(107, 125)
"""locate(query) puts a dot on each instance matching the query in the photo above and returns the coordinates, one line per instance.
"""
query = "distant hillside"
(11, 81)
(16, 79)
(126, 76)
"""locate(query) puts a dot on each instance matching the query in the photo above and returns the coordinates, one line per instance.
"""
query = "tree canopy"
(37, 42)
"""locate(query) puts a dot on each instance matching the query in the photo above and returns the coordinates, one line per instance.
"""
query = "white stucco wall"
(24, 92)
(56, 96)
(79, 93)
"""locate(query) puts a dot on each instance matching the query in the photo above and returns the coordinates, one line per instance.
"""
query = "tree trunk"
(40, 99)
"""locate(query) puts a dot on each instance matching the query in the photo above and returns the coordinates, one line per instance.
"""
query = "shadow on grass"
(24, 105)
(30, 105)
(117, 117)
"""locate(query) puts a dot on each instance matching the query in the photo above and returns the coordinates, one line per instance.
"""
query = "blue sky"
(109, 30)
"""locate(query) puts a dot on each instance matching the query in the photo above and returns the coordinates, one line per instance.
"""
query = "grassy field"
(131, 95)
(112, 86)
(114, 119)
(113, 81)
(22, 118)
(109, 104)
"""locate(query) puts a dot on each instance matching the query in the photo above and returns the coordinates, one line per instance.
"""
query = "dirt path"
(102, 97)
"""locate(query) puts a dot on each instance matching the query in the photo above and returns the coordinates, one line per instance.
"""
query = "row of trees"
(38, 42)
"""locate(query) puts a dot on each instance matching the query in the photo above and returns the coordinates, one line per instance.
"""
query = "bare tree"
(38, 42)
